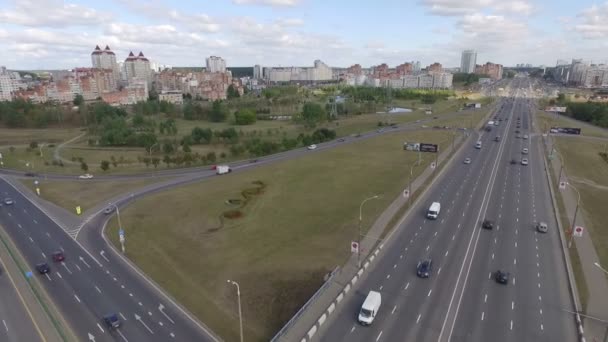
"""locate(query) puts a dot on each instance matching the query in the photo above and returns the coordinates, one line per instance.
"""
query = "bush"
(245, 117)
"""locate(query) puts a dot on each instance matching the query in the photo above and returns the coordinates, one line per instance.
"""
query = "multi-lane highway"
(461, 301)
(85, 287)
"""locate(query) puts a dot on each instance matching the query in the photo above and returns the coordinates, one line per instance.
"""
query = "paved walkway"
(597, 284)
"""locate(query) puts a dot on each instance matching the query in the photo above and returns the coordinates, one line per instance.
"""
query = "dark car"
(341, 139)
(43, 268)
(513, 161)
(487, 224)
(253, 161)
(108, 210)
(31, 174)
(502, 277)
(424, 268)
(497, 138)
(58, 256)
(517, 131)
(112, 321)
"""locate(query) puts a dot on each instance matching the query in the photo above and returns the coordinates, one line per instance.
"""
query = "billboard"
(420, 147)
(556, 109)
(566, 130)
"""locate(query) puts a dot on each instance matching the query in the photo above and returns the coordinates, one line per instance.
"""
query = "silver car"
(524, 161)
(542, 227)
(467, 160)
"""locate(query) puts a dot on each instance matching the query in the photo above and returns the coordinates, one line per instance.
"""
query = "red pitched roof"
(97, 50)
(108, 51)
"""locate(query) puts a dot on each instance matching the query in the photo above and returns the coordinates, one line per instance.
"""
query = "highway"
(86, 287)
(461, 301)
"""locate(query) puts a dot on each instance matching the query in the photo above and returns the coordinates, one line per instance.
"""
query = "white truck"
(370, 308)
(222, 169)
(434, 210)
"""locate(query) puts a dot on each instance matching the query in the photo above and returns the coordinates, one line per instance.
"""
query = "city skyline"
(52, 34)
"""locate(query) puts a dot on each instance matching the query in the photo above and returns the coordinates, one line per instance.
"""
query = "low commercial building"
(320, 72)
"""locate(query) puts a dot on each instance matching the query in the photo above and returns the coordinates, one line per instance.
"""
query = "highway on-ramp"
(461, 301)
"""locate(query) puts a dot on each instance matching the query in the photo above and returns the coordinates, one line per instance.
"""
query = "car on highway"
(31, 174)
(86, 176)
(108, 210)
(525, 136)
(312, 147)
(467, 160)
(487, 224)
(424, 268)
(513, 161)
(43, 268)
(502, 277)
(8, 201)
(370, 308)
(58, 256)
(380, 130)
(524, 161)
(524, 151)
(497, 138)
(112, 321)
(542, 227)
(341, 140)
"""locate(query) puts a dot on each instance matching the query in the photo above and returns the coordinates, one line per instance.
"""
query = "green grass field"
(294, 230)
(85, 193)
(19, 136)
(547, 120)
(584, 166)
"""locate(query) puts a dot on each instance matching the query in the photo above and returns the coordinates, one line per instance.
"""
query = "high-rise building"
(105, 59)
(138, 68)
(216, 64)
(494, 71)
(257, 72)
(468, 61)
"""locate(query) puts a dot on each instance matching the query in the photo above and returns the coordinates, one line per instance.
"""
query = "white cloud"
(594, 23)
(51, 13)
(459, 7)
(289, 22)
(274, 3)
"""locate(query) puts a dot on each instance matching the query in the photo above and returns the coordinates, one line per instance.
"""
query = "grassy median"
(277, 230)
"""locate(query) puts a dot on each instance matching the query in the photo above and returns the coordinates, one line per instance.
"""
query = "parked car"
(312, 147)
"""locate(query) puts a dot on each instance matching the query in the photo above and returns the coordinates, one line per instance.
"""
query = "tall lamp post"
(359, 235)
(238, 294)
(578, 201)
(120, 231)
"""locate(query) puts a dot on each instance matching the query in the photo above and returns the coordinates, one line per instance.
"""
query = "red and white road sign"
(578, 231)
(562, 185)
(354, 247)
(406, 193)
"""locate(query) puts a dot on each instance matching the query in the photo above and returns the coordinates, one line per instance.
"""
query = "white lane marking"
(48, 276)
(353, 329)
(123, 336)
(406, 286)
(490, 275)
(78, 299)
(453, 237)
(43, 255)
(492, 256)
(394, 308)
(103, 255)
(513, 280)
(100, 328)
(435, 234)
(138, 318)
(19, 225)
(130, 295)
(5, 326)
(36, 222)
(538, 274)
(97, 288)
(512, 305)
(47, 234)
(485, 298)
(122, 286)
(446, 253)
(59, 275)
(122, 316)
(430, 291)
(427, 247)
(482, 315)
(380, 288)
(439, 271)
(380, 334)
(395, 266)
(541, 327)
(31, 240)
(540, 298)
(388, 276)
(66, 267)
(84, 262)
(539, 285)
(418, 319)
(541, 311)
(514, 261)
(140, 304)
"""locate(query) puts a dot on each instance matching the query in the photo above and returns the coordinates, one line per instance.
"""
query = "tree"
(34, 144)
(200, 135)
(168, 147)
(155, 161)
(232, 92)
(105, 165)
(211, 157)
(84, 166)
(167, 160)
(219, 111)
(146, 161)
(245, 116)
(313, 113)
(186, 148)
(78, 100)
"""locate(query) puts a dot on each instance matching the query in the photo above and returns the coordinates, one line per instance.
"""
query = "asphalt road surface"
(85, 287)
(461, 301)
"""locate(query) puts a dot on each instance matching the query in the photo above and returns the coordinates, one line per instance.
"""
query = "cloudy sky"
(54, 34)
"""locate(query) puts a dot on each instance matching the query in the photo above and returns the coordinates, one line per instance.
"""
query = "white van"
(478, 145)
(370, 308)
(434, 210)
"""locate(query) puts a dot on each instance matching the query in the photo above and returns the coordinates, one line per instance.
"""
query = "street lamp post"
(150, 153)
(359, 235)
(238, 294)
(578, 201)
(122, 238)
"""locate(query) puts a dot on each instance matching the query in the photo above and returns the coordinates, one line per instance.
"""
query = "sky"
(53, 34)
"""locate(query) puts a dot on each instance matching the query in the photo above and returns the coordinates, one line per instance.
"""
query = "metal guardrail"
(305, 306)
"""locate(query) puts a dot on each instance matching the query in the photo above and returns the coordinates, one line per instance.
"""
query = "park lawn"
(547, 120)
(582, 162)
(86, 193)
(297, 229)
(21, 159)
(23, 136)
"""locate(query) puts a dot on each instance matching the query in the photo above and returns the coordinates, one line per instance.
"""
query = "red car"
(58, 256)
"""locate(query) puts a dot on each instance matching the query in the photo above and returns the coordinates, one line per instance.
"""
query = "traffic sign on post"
(354, 247)
(578, 231)
(562, 185)
(406, 193)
